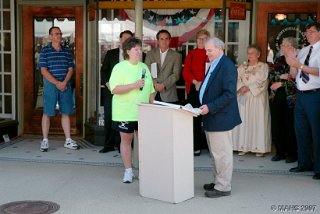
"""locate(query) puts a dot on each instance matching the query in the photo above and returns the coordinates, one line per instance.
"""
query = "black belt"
(309, 91)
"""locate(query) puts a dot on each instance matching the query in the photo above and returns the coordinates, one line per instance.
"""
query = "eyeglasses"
(311, 31)
(57, 34)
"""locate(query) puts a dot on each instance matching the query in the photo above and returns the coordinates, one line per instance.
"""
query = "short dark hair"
(255, 46)
(130, 43)
(53, 27)
(315, 24)
(126, 32)
(163, 31)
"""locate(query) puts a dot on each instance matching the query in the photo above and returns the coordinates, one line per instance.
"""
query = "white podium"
(166, 163)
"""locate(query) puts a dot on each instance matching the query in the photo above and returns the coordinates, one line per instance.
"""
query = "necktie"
(305, 76)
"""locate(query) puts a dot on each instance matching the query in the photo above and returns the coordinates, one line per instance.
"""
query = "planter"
(9, 127)
(94, 134)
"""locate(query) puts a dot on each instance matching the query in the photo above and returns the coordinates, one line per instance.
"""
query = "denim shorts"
(52, 95)
(125, 126)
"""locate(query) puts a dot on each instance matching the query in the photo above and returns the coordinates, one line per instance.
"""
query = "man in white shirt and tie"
(306, 68)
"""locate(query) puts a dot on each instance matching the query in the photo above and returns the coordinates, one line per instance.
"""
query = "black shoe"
(106, 149)
(216, 193)
(278, 158)
(209, 187)
(197, 153)
(316, 176)
(298, 169)
(291, 159)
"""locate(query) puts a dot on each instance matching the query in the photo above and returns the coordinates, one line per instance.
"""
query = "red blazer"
(194, 67)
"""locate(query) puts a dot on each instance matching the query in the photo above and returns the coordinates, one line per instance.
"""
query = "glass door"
(36, 22)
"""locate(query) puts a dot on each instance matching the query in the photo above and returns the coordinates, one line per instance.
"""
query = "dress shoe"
(316, 176)
(278, 158)
(106, 149)
(197, 153)
(209, 187)
(216, 193)
(298, 169)
(291, 159)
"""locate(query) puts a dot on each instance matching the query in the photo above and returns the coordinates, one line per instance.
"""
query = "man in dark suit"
(168, 68)
(218, 96)
(110, 60)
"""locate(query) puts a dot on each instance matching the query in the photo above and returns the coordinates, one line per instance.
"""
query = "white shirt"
(120, 55)
(163, 56)
(314, 62)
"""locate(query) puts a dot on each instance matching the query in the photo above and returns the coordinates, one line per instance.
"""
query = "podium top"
(192, 111)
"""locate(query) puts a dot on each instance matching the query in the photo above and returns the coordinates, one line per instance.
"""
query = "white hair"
(218, 43)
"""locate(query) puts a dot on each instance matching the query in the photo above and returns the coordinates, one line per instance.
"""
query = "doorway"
(36, 21)
(296, 15)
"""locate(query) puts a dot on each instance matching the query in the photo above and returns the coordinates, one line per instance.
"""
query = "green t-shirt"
(125, 106)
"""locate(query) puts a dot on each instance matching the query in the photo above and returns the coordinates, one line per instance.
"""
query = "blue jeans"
(52, 95)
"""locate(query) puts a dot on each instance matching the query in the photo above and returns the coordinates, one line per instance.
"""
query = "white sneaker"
(127, 177)
(44, 145)
(71, 144)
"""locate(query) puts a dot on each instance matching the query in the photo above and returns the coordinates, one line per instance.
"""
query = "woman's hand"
(284, 76)
(244, 89)
(139, 83)
(275, 86)
(197, 84)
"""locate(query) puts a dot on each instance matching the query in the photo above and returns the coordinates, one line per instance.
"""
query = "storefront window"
(286, 25)
(183, 24)
(7, 71)
(233, 32)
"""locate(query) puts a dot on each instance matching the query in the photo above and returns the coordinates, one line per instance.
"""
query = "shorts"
(125, 126)
(52, 95)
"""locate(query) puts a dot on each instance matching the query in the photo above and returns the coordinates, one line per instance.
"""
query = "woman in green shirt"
(131, 83)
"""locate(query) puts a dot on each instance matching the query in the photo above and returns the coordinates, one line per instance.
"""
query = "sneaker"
(128, 177)
(44, 145)
(71, 144)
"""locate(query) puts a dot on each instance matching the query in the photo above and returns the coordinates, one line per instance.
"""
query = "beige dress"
(254, 133)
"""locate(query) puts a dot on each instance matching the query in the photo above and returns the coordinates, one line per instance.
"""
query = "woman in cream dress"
(254, 133)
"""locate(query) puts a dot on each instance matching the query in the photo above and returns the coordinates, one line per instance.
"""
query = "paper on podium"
(188, 107)
(154, 71)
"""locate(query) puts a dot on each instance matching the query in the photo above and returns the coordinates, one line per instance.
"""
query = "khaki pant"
(220, 146)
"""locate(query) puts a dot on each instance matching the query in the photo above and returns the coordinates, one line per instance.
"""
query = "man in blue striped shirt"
(56, 64)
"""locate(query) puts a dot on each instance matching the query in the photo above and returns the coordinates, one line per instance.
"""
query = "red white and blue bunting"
(181, 23)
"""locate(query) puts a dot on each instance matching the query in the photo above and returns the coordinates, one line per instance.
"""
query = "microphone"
(143, 76)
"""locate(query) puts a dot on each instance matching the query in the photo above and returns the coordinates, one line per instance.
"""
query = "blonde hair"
(202, 32)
